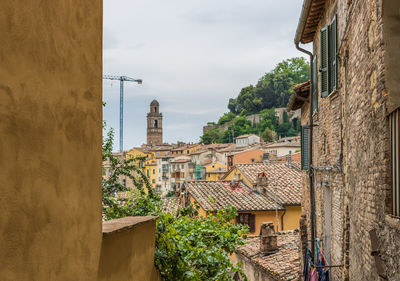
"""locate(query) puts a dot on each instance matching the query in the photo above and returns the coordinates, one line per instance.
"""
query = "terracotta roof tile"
(284, 183)
(170, 205)
(283, 144)
(216, 195)
(284, 264)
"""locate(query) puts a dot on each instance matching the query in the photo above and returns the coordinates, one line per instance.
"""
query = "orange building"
(254, 155)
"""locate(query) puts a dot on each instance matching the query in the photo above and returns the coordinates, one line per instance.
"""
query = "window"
(328, 67)
(188, 152)
(394, 134)
(124, 182)
(154, 171)
(153, 181)
(148, 173)
(155, 124)
(247, 219)
(304, 147)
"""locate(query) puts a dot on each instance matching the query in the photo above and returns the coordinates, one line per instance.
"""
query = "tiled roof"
(296, 158)
(233, 148)
(216, 195)
(283, 144)
(247, 150)
(245, 136)
(181, 160)
(170, 205)
(284, 183)
(300, 92)
(200, 151)
(284, 265)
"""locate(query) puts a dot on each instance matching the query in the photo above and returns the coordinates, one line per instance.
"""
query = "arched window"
(155, 109)
(155, 123)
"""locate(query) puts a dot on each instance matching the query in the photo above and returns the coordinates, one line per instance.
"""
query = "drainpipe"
(284, 212)
(310, 158)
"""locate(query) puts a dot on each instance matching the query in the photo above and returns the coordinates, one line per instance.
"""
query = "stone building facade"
(154, 124)
(352, 151)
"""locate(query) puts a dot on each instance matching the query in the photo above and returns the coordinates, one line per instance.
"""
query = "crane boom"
(121, 78)
(121, 103)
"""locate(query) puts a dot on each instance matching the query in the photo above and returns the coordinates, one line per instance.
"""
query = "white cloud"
(192, 56)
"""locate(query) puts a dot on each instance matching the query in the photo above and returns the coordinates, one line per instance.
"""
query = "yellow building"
(279, 181)
(215, 171)
(253, 208)
(148, 166)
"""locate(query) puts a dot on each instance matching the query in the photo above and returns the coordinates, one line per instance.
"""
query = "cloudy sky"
(192, 56)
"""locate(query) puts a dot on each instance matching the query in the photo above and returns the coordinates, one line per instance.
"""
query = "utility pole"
(121, 103)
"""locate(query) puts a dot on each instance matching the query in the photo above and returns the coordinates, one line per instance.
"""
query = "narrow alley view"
(186, 140)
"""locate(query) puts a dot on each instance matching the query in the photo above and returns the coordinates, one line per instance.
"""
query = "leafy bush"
(188, 247)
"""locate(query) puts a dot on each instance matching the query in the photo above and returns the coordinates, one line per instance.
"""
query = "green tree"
(211, 136)
(226, 118)
(269, 135)
(188, 247)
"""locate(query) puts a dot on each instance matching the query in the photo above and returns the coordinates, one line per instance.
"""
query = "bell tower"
(154, 124)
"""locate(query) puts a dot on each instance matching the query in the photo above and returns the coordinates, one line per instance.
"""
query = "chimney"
(289, 160)
(268, 239)
(262, 182)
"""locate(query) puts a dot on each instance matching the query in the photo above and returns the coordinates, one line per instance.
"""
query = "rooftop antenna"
(121, 103)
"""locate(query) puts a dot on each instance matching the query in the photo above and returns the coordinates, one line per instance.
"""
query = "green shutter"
(315, 84)
(324, 63)
(333, 55)
(304, 147)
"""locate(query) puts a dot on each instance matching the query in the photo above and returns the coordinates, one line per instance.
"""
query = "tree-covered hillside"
(271, 91)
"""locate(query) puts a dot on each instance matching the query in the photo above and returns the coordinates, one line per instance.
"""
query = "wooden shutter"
(324, 62)
(304, 147)
(315, 84)
(394, 133)
(252, 223)
(332, 55)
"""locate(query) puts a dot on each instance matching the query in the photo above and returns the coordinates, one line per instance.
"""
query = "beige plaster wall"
(50, 148)
(129, 255)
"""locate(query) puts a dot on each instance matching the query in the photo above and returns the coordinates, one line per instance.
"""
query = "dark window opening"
(247, 219)
(155, 123)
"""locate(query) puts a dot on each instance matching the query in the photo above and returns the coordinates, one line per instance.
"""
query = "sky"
(192, 56)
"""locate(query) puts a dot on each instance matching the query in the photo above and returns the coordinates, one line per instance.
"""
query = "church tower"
(154, 124)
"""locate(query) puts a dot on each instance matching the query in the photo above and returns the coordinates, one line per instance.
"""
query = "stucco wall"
(246, 157)
(51, 133)
(129, 254)
(266, 216)
(291, 218)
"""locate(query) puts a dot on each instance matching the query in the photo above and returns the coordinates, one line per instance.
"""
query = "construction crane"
(121, 103)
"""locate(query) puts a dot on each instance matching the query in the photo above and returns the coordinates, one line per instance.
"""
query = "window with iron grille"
(395, 145)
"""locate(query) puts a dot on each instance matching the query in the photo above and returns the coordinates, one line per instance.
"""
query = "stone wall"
(353, 133)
